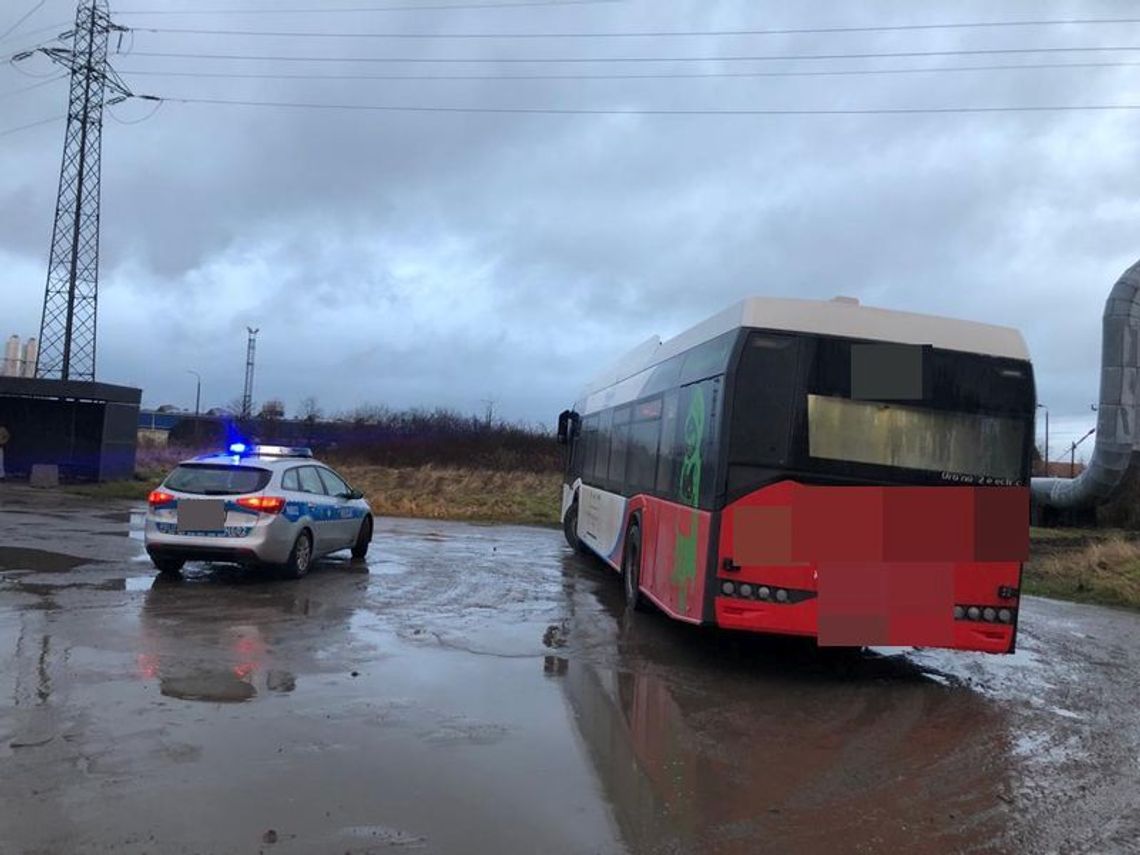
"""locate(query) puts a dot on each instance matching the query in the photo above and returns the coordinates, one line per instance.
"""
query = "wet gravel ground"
(480, 689)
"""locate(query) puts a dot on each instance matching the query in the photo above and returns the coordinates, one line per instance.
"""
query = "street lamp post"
(197, 399)
(1046, 409)
(1073, 453)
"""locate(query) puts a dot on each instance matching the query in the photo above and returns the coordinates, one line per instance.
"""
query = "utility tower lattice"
(67, 327)
(250, 353)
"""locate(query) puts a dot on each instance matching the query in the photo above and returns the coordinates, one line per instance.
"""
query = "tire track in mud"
(472, 589)
(931, 751)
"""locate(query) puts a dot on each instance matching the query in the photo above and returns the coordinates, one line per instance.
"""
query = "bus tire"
(570, 528)
(631, 570)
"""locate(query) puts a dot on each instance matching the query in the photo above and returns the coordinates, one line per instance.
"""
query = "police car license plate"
(201, 515)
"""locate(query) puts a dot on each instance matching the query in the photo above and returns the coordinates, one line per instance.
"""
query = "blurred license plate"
(201, 515)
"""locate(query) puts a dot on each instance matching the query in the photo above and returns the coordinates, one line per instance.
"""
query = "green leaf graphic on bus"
(685, 548)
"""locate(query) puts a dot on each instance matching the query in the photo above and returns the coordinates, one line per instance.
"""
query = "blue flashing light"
(237, 448)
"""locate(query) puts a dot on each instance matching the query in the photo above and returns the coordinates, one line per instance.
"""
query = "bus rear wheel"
(631, 570)
(570, 528)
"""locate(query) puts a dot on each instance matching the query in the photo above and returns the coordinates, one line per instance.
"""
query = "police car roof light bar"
(240, 448)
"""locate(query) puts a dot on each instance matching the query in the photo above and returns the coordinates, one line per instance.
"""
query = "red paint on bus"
(877, 565)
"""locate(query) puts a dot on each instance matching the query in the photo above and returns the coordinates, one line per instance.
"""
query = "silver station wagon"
(260, 504)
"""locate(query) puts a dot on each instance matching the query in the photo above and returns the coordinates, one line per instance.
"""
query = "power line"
(683, 75)
(7, 131)
(36, 32)
(158, 102)
(24, 89)
(35, 8)
(649, 34)
(668, 111)
(8, 57)
(22, 54)
(363, 9)
(632, 59)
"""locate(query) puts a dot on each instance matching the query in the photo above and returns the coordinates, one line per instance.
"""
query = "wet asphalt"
(481, 689)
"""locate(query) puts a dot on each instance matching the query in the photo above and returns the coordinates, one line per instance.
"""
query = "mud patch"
(221, 687)
(39, 560)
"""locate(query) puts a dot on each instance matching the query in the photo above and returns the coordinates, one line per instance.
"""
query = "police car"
(260, 504)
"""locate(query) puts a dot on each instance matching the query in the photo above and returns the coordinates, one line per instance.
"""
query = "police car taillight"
(159, 497)
(263, 504)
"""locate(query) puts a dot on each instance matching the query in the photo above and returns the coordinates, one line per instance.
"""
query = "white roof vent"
(847, 301)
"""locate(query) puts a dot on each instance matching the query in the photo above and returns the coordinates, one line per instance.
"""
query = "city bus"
(825, 469)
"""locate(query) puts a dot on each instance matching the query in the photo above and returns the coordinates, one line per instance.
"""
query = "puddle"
(40, 560)
(223, 687)
(116, 516)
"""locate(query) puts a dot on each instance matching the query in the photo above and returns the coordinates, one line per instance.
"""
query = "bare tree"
(309, 410)
(272, 410)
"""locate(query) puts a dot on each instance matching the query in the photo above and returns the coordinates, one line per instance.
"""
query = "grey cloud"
(438, 259)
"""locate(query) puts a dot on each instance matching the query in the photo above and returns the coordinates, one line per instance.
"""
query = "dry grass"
(433, 492)
(1102, 571)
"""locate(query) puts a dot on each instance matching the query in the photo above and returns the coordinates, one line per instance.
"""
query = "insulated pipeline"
(1116, 428)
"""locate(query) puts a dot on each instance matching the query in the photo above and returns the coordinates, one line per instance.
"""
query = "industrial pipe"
(1116, 426)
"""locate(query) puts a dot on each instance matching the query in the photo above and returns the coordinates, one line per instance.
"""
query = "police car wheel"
(363, 538)
(168, 566)
(301, 557)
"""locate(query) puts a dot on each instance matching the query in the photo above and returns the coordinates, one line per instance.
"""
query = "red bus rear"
(817, 469)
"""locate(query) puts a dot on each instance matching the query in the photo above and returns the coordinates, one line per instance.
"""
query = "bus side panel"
(601, 521)
(674, 577)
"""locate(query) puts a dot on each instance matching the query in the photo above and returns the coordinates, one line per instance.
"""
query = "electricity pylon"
(250, 355)
(67, 326)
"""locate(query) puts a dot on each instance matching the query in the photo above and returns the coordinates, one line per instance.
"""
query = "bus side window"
(644, 435)
(767, 384)
(708, 359)
(714, 389)
(667, 458)
(615, 472)
(585, 446)
(601, 458)
(697, 443)
(576, 443)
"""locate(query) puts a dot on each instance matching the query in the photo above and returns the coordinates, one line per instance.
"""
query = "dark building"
(89, 430)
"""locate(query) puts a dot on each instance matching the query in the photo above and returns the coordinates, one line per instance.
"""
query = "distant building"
(19, 359)
(1057, 469)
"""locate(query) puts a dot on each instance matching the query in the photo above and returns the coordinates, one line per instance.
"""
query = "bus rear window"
(217, 480)
(904, 437)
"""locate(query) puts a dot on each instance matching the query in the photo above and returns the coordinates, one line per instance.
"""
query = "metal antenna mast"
(247, 395)
(67, 327)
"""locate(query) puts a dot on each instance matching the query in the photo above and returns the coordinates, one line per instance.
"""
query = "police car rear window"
(214, 480)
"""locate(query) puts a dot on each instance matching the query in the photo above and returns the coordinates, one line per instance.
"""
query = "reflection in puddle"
(205, 640)
(822, 758)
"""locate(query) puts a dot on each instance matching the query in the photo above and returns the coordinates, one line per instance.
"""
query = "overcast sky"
(440, 259)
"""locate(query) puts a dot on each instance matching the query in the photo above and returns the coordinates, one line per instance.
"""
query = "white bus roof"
(841, 316)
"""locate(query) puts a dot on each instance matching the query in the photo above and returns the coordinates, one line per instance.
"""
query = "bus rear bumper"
(803, 619)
